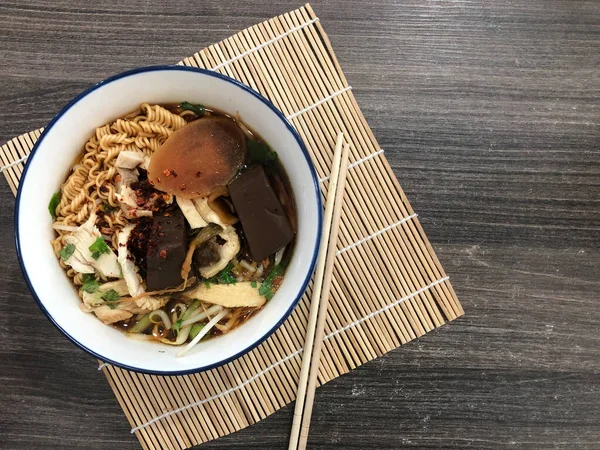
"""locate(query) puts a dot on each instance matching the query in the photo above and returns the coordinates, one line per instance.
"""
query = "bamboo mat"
(388, 286)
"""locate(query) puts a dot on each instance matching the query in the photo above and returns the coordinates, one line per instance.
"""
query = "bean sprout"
(164, 318)
(203, 332)
(246, 265)
(279, 255)
(181, 337)
(203, 315)
(259, 272)
(182, 307)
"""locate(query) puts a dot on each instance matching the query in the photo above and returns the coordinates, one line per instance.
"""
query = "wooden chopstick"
(320, 298)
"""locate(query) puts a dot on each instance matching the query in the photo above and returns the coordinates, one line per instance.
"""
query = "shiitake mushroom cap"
(197, 158)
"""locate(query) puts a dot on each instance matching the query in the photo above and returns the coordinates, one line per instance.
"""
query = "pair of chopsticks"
(320, 298)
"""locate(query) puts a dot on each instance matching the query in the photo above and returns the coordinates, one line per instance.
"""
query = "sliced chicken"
(130, 273)
(229, 249)
(126, 197)
(206, 212)
(144, 165)
(83, 238)
(148, 303)
(126, 177)
(90, 300)
(108, 315)
(227, 252)
(188, 208)
(78, 263)
(128, 159)
(127, 266)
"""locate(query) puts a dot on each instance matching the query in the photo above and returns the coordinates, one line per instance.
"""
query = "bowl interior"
(47, 169)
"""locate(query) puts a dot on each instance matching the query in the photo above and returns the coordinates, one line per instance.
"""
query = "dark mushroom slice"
(263, 219)
(198, 158)
(166, 251)
(207, 254)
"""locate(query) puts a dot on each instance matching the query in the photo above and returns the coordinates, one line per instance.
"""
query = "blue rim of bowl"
(290, 128)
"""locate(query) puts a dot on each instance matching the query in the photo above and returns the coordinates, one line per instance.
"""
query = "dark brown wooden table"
(490, 115)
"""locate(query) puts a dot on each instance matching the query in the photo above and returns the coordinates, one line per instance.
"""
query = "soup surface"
(175, 223)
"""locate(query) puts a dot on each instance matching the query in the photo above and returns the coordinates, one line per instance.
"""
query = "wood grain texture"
(488, 112)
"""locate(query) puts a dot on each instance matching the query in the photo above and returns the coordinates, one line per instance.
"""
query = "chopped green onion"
(223, 277)
(196, 328)
(141, 325)
(177, 325)
(54, 201)
(253, 284)
(266, 287)
(66, 252)
(188, 312)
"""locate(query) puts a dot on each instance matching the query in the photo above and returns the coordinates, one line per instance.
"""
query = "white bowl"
(49, 164)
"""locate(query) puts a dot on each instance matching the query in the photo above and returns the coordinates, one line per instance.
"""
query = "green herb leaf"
(197, 109)
(111, 296)
(66, 252)
(196, 328)
(260, 153)
(223, 277)
(90, 286)
(54, 201)
(253, 284)
(88, 277)
(99, 247)
(207, 284)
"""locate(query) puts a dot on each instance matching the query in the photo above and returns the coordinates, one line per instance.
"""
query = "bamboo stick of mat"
(316, 293)
(316, 331)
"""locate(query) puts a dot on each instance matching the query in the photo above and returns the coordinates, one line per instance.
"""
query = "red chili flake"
(174, 173)
(182, 187)
(167, 172)
(151, 182)
(133, 212)
(163, 253)
(139, 201)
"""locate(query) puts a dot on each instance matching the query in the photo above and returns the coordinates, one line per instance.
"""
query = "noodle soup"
(175, 224)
